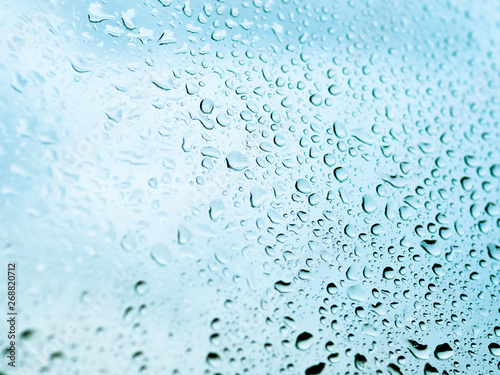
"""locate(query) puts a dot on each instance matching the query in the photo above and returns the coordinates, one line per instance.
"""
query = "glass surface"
(251, 187)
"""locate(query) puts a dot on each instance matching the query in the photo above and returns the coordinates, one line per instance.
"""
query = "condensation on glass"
(252, 187)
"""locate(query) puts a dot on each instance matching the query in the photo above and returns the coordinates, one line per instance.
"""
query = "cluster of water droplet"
(254, 187)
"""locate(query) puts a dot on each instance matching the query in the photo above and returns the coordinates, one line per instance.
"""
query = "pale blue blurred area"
(189, 187)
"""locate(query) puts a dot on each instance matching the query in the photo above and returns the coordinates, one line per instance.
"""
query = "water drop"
(420, 351)
(316, 369)
(304, 341)
(207, 106)
(389, 273)
(431, 247)
(236, 161)
(494, 251)
(494, 349)
(141, 288)
(283, 286)
(128, 242)
(161, 254)
(303, 186)
(341, 174)
(369, 204)
(443, 351)
(213, 360)
(316, 99)
(357, 293)
(360, 361)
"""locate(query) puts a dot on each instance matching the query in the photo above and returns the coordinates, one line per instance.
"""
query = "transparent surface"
(252, 187)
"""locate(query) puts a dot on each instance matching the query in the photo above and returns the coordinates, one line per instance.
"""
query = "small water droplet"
(141, 288)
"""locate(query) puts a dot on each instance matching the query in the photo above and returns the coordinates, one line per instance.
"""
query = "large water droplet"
(341, 174)
(357, 293)
(443, 351)
(494, 251)
(303, 186)
(494, 349)
(304, 341)
(161, 254)
(420, 351)
(369, 204)
(236, 161)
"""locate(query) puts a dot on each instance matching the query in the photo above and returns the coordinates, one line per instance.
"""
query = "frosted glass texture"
(252, 187)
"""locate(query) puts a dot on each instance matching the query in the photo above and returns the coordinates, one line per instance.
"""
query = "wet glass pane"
(251, 187)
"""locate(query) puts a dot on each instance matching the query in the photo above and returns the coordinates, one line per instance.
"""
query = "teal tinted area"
(252, 187)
